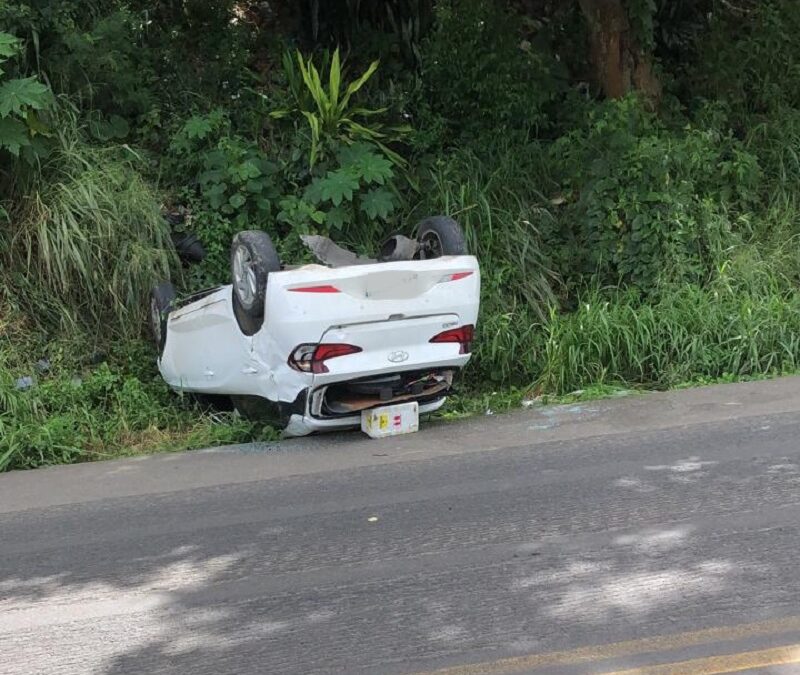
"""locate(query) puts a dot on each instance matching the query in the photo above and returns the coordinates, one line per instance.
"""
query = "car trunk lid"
(389, 310)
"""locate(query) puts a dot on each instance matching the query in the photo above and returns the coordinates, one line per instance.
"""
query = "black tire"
(211, 403)
(253, 257)
(189, 248)
(162, 300)
(258, 409)
(440, 235)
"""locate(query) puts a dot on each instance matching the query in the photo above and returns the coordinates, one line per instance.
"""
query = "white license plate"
(391, 420)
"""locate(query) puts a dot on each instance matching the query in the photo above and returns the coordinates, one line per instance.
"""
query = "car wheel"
(259, 409)
(162, 299)
(253, 257)
(440, 235)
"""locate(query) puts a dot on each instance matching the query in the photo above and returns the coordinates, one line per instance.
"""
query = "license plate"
(391, 420)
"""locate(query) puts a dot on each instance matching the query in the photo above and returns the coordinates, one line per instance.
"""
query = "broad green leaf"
(216, 159)
(337, 186)
(105, 130)
(378, 203)
(313, 84)
(119, 125)
(18, 95)
(313, 193)
(337, 217)
(216, 194)
(9, 45)
(254, 186)
(198, 126)
(367, 112)
(298, 212)
(248, 170)
(357, 84)
(211, 176)
(368, 164)
(361, 130)
(237, 200)
(350, 155)
(334, 80)
(375, 169)
(13, 135)
(314, 124)
(266, 167)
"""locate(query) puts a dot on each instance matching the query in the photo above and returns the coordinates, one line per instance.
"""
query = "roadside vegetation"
(636, 229)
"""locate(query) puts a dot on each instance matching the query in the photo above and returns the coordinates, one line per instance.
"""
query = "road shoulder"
(258, 461)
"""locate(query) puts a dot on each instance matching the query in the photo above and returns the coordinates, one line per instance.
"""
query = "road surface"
(651, 534)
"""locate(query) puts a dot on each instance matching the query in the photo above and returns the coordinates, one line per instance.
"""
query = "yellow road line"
(595, 653)
(717, 665)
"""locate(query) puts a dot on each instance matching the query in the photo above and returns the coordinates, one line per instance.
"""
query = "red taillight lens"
(316, 289)
(462, 336)
(456, 276)
(310, 358)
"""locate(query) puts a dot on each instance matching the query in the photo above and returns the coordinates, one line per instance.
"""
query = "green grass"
(103, 414)
(614, 342)
(85, 242)
(83, 411)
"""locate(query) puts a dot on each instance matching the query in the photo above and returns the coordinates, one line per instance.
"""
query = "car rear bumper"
(303, 425)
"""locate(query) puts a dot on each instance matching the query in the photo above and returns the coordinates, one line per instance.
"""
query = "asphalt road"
(650, 535)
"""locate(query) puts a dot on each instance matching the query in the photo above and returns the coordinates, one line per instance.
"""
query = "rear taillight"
(310, 358)
(327, 288)
(456, 276)
(462, 336)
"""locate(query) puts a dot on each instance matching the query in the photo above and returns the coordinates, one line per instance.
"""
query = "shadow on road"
(369, 570)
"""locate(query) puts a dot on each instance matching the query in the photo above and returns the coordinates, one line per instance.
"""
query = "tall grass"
(79, 413)
(690, 334)
(742, 320)
(85, 241)
(500, 203)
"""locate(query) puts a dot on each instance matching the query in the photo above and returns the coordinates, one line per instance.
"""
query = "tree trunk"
(619, 64)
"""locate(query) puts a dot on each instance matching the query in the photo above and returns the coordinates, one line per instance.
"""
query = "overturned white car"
(318, 347)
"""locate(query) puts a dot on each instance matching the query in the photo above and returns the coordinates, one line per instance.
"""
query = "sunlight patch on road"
(600, 598)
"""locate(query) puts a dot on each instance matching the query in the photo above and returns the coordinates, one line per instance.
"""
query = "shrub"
(331, 112)
(228, 183)
(104, 412)
(775, 140)
(497, 201)
(22, 100)
(750, 59)
(745, 324)
(351, 199)
(480, 75)
(86, 243)
(646, 204)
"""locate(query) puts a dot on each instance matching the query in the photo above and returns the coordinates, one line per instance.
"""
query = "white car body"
(390, 310)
